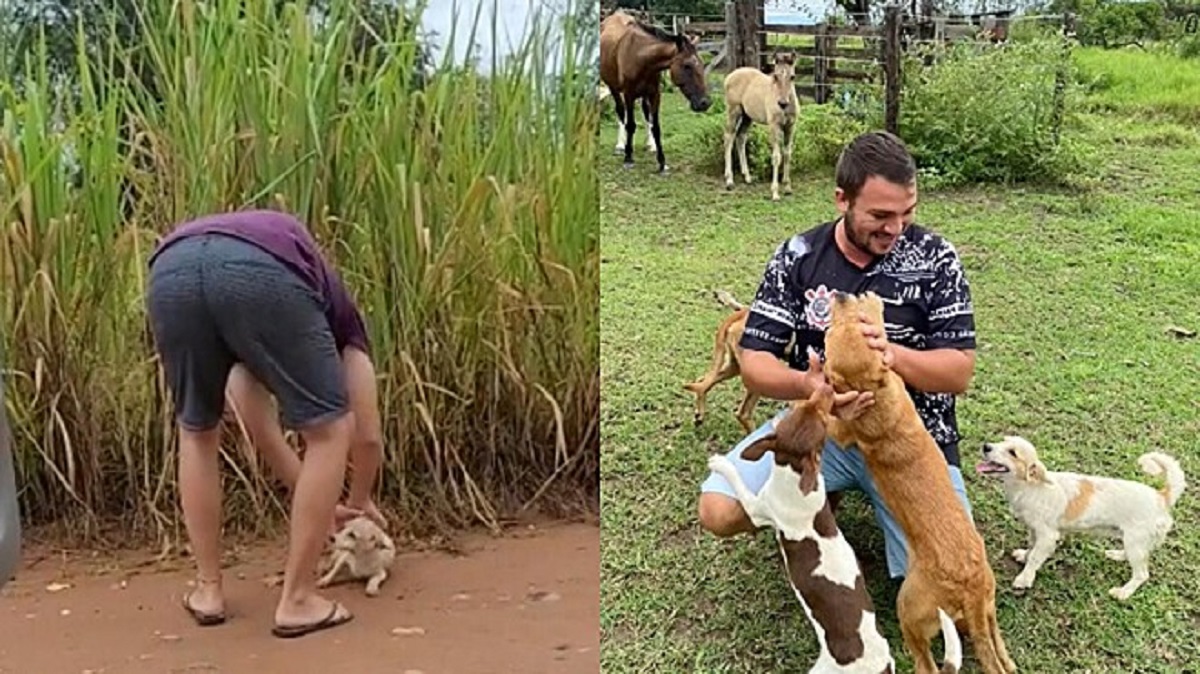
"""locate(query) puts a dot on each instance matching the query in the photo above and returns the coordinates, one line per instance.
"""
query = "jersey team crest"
(817, 309)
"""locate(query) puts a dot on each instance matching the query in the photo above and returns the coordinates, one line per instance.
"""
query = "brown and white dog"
(725, 364)
(1051, 503)
(948, 565)
(821, 565)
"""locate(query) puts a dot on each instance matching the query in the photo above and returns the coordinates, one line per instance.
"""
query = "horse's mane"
(659, 33)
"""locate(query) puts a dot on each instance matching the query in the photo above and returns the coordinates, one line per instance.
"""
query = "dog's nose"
(987, 447)
(783, 105)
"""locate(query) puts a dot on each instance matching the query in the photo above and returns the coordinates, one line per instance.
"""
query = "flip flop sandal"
(331, 620)
(202, 619)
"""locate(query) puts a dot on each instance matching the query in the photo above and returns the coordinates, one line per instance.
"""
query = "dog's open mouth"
(990, 468)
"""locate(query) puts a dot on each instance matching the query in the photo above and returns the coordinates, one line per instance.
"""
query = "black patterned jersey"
(926, 303)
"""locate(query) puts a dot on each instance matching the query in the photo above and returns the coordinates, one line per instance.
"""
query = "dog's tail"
(725, 297)
(953, 657)
(1157, 464)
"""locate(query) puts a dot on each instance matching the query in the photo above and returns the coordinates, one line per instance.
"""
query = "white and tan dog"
(821, 565)
(1052, 503)
(361, 551)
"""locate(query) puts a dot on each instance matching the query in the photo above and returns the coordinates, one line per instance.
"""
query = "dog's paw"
(1115, 555)
(1022, 582)
(1120, 593)
(1019, 555)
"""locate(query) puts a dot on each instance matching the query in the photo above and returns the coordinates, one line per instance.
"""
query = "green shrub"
(988, 114)
(1188, 46)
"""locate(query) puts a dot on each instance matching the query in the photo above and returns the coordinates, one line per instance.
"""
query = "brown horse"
(632, 58)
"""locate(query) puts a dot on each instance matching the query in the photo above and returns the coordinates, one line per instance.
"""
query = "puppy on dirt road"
(361, 551)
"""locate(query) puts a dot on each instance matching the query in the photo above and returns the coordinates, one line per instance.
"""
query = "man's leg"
(276, 325)
(195, 363)
(366, 448)
(840, 467)
(719, 509)
(256, 409)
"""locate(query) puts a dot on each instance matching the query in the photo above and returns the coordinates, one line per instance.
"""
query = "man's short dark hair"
(878, 153)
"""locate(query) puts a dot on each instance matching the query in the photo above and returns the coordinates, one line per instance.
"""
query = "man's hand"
(345, 513)
(877, 339)
(846, 406)
(851, 404)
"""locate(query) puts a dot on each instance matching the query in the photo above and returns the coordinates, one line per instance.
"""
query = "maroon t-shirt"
(286, 238)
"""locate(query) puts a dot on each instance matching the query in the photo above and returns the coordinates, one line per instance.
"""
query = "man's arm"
(763, 373)
(936, 370)
(948, 364)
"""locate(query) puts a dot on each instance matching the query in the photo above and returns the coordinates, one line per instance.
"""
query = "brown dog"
(948, 565)
(725, 364)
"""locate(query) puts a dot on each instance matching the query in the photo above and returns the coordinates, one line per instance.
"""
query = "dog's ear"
(759, 447)
(810, 468)
(1036, 472)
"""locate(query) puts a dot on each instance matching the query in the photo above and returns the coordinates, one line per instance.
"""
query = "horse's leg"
(789, 134)
(619, 108)
(743, 136)
(655, 100)
(650, 145)
(630, 128)
(733, 119)
(776, 157)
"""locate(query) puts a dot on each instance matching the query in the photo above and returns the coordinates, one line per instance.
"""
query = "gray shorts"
(214, 301)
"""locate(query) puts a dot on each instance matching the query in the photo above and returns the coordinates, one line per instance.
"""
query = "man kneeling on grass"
(930, 324)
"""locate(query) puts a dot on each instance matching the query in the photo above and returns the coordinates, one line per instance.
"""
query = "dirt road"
(525, 602)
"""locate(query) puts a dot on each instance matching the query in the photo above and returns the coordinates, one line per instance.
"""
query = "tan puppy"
(361, 550)
(725, 364)
(1051, 503)
(948, 564)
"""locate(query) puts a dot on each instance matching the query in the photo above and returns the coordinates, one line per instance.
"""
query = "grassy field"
(1074, 290)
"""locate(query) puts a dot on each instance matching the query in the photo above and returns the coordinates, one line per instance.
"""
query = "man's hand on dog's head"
(877, 339)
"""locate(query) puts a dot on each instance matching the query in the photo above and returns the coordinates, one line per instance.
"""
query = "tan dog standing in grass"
(948, 566)
(725, 364)
(1052, 503)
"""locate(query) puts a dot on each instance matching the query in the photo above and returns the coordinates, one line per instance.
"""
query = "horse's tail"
(1158, 464)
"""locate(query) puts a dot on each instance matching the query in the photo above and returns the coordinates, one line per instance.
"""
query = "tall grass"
(460, 207)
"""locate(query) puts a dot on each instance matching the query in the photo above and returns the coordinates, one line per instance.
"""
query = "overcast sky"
(510, 16)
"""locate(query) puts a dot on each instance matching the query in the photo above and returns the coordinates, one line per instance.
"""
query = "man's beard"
(856, 239)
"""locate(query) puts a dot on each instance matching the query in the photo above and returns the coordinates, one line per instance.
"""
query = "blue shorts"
(844, 469)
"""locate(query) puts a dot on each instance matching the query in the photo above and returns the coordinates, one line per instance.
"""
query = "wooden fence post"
(821, 64)
(760, 34)
(732, 47)
(891, 67)
(741, 32)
